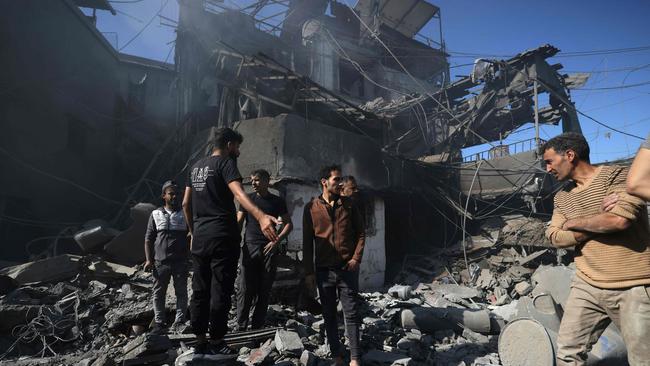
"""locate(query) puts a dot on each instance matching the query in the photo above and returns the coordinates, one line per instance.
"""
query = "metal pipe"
(433, 319)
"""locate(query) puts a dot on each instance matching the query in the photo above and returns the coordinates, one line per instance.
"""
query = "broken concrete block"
(288, 342)
(122, 318)
(104, 360)
(527, 231)
(301, 329)
(532, 257)
(47, 270)
(555, 280)
(146, 344)
(93, 238)
(318, 325)
(106, 271)
(308, 359)
(258, 355)
(127, 247)
(323, 351)
(474, 337)
(463, 292)
(507, 312)
(486, 279)
(523, 288)
(400, 291)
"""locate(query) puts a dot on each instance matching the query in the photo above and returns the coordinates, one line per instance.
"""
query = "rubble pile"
(441, 311)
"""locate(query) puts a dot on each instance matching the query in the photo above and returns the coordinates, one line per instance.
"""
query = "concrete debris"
(523, 288)
(288, 342)
(93, 239)
(127, 247)
(308, 359)
(52, 269)
(442, 311)
(145, 345)
(259, 355)
(400, 291)
(521, 230)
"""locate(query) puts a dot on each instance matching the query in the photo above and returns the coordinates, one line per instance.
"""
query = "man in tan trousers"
(612, 253)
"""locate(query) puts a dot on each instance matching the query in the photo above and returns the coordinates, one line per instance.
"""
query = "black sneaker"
(157, 328)
(221, 348)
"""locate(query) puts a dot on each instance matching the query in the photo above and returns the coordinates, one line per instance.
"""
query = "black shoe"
(157, 328)
(220, 352)
(222, 349)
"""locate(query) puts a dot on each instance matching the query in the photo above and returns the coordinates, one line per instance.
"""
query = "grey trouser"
(162, 273)
(255, 283)
(337, 284)
(589, 310)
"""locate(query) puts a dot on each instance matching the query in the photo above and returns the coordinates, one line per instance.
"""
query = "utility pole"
(536, 115)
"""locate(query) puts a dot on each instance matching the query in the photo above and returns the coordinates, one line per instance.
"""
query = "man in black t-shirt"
(259, 259)
(213, 183)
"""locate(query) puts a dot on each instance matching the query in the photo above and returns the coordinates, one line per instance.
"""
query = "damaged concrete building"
(317, 83)
(361, 87)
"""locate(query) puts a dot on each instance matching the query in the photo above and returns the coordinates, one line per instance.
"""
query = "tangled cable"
(50, 325)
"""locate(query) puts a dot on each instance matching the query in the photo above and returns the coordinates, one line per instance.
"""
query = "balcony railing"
(504, 150)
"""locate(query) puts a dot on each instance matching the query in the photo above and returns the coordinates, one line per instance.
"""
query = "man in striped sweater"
(612, 253)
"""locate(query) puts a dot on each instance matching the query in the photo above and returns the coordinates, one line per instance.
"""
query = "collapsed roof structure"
(365, 69)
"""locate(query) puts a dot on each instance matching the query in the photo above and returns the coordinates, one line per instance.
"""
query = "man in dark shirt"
(210, 211)
(333, 241)
(166, 249)
(259, 259)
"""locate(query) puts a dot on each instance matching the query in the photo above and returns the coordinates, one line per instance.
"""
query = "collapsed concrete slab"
(128, 246)
(46, 270)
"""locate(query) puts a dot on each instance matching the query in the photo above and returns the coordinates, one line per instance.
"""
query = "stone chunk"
(523, 288)
(52, 269)
(318, 325)
(288, 342)
(258, 355)
(308, 359)
(146, 344)
(463, 292)
(302, 330)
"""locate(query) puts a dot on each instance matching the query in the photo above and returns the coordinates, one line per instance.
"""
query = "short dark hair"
(223, 136)
(568, 141)
(326, 171)
(349, 178)
(262, 173)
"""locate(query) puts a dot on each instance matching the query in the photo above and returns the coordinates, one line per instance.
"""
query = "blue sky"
(492, 27)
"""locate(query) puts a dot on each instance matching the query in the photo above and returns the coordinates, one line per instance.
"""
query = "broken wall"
(67, 126)
(290, 147)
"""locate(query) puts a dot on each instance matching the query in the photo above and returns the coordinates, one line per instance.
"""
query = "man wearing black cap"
(166, 249)
(209, 207)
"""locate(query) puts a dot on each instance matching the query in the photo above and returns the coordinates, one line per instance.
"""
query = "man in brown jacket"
(333, 240)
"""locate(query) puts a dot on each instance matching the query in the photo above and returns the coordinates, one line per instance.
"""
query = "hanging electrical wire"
(145, 27)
